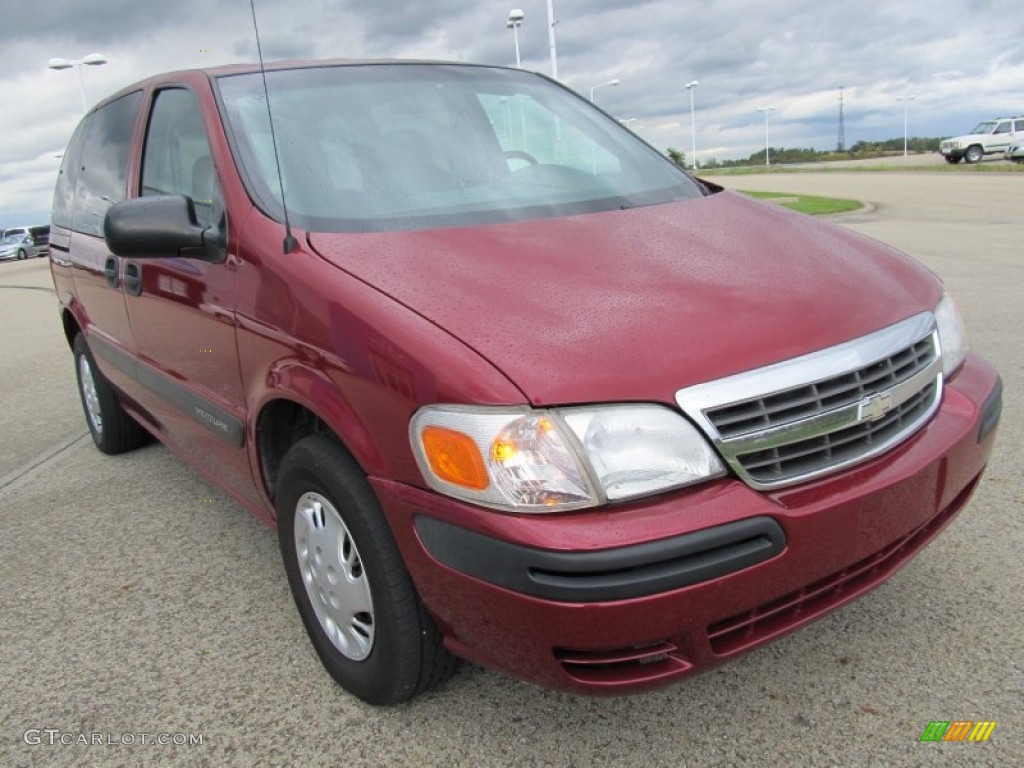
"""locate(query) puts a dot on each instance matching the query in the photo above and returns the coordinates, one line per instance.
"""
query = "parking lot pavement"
(138, 600)
(40, 408)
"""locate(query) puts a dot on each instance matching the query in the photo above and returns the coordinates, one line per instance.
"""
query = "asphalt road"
(136, 599)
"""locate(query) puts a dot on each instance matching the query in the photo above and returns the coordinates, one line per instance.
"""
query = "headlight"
(952, 336)
(565, 458)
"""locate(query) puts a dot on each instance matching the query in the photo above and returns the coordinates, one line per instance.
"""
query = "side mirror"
(161, 226)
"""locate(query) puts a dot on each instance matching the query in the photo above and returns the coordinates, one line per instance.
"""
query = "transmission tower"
(841, 147)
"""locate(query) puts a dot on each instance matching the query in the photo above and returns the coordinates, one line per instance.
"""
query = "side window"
(67, 177)
(104, 160)
(1003, 127)
(177, 158)
(1018, 125)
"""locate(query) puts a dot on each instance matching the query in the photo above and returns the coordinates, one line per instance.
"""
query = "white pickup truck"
(987, 138)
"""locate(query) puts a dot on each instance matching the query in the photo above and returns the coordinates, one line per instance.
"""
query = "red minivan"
(509, 384)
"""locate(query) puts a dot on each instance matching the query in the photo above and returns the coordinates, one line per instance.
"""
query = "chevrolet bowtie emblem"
(874, 407)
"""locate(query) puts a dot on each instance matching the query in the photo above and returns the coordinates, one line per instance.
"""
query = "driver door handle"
(133, 278)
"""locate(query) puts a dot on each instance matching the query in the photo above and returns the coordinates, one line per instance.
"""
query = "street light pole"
(551, 39)
(612, 82)
(905, 100)
(690, 86)
(92, 60)
(515, 20)
(766, 110)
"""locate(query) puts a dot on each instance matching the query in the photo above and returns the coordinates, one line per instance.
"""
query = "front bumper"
(625, 598)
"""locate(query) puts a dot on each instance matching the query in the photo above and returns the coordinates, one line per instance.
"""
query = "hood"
(967, 137)
(633, 305)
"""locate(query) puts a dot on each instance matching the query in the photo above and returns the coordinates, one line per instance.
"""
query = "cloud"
(963, 61)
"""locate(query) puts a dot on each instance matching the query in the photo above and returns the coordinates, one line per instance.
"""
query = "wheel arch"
(285, 418)
(71, 326)
(280, 424)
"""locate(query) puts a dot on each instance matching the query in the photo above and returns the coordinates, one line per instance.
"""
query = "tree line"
(784, 155)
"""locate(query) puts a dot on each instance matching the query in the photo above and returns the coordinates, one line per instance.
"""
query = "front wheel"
(354, 595)
(22, 254)
(952, 159)
(973, 154)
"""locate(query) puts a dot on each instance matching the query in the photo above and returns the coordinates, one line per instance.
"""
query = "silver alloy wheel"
(90, 395)
(332, 571)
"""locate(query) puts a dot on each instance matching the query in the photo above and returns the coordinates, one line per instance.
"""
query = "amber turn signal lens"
(454, 457)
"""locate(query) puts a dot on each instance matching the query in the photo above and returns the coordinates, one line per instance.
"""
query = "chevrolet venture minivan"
(510, 385)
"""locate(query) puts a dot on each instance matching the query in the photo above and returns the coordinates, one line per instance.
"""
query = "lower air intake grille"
(783, 614)
(623, 666)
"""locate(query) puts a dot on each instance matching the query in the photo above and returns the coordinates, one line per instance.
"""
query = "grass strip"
(815, 206)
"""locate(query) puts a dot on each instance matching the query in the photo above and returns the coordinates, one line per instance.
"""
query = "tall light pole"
(690, 86)
(905, 100)
(515, 21)
(551, 38)
(92, 60)
(766, 110)
(612, 82)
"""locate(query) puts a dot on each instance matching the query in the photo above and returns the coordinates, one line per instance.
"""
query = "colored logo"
(958, 730)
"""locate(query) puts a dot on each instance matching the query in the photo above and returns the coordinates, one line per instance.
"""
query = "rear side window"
(177, 158)
(64, 194)
(1018, 125)
(104, 161)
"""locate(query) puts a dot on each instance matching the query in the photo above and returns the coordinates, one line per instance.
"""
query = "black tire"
(952, 160)
(21, 254)
(113, 430)
(404, 655)
(973, 154)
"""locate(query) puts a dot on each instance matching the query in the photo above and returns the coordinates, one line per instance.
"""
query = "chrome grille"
(802, 402)
(819, 413)
(806, 456)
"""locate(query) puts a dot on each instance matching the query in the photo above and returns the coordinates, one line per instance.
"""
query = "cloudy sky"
(962, 59)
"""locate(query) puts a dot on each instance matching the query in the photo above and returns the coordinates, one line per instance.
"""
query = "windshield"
(985, 127)
(413, 146)
(11, 240)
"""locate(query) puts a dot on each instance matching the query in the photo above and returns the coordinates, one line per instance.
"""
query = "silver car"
(20, 246)
(1015, 152)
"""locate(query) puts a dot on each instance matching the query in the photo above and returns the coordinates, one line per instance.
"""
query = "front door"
(182, 310)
